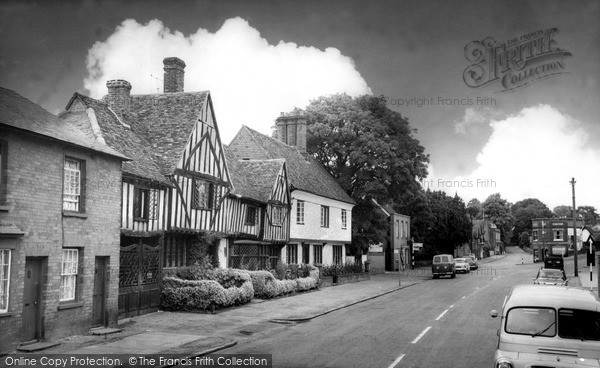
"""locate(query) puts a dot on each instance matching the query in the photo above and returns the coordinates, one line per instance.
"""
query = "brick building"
(60, 198)
(551, 236)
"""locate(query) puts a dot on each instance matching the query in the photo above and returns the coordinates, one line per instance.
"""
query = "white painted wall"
(312, 231)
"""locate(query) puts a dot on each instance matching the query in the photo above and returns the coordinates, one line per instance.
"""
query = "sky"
(504, 95)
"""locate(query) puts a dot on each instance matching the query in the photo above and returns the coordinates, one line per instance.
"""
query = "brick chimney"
(118, 97)
(174, 73)
(291, 130)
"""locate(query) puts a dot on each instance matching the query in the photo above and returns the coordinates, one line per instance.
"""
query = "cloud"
(251, 81)
(534, 153)
(474, 118)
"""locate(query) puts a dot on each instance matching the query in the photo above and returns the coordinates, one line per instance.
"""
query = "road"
(437, 323)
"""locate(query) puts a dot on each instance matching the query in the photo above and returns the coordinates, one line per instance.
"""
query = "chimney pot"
(291, 130)
(118, 97)
(174, 74)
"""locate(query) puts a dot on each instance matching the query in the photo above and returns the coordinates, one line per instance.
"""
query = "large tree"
(371, 151)
(523, 212)
(474, 209)
(590, 217)
(562, 211)
(497, 210)
(449, 225)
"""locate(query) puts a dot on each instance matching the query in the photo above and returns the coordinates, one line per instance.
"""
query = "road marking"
(464, 297)
(420, 335)
(396, 361)
(452, 306)
(441, 315)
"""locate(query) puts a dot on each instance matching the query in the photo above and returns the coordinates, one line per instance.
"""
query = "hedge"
(266, 286)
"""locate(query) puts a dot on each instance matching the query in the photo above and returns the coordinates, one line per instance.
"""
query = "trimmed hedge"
(266, 286)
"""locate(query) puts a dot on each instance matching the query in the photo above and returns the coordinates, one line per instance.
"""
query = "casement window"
(406, 235)
(337, 254)
(4, 279)
(344, 219)
(318, 253)
(251, 215)
(141, 203)
(397, 228)
(3, 171)
(324, 216)
(68, 275)
(534, 235)
(300, 212)
(153, 204)
(205, 195)
(276, 216)
(558, 235)
(292, 253)
(306, 253)
(73, 190)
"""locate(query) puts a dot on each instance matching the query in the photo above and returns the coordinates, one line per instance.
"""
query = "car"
(472, 260)
(551, 276)
(462, 265)
(551, 326)
(556, 262)
(443, 265)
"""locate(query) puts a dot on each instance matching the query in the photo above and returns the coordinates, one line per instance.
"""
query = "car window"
(445, 259)
(436, 259)
(531, 321)
(578, 324)
(551, 273)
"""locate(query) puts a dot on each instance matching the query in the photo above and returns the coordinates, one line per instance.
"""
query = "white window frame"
(300, 212)
(534, 235)
(72, 185)
(558, 232)
(5, 255)
(344, 219)
(324, 216)
(68, 274)
(276, 216)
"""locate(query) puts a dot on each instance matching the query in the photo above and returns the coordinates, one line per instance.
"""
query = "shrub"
(266, 286)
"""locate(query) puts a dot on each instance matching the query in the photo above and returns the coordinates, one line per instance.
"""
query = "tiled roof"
(153, 132)
(253, 179)
(18, 112)
(304, 172)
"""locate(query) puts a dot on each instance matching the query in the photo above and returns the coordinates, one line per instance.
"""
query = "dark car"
(551, 276)
(555, 262)
(443, 264)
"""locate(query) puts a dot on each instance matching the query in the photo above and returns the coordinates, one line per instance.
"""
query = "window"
(305, 253)
(344, 219)
(318, 254)
(324, 216)
(251, 215)
(558, 235)
(531, 321)
(276, 216)
(205, 195)
(292, 253)
(337, 254)
(68, 276)
(405, 229)
(300, 212)
(579, 324)
(397, 228)
(141, 203)
(73, 191)
(4, 279)
(535, 235)
(3, 171)
(153, 204)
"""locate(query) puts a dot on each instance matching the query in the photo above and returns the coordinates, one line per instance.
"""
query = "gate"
(140, 277)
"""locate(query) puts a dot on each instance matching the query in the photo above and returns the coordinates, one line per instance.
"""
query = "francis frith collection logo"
(516, 62)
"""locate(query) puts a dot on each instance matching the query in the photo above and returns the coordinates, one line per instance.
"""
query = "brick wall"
(35, 176)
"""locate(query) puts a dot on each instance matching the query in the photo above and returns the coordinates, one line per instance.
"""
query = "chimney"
(291, 130)
(118, 97)
(174, 72)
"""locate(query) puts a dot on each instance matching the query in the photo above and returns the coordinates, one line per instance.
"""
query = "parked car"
(472, 261)
(462, 265)
(549, 326)
(554, 262)
(443, 265)
(550, 276)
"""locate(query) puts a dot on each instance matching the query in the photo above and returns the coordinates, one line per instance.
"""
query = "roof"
(552, 296)
(18, 112)
(253, 179)
(154, 131)
(304, 172)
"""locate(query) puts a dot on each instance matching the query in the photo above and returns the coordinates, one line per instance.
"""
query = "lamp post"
(574, 228)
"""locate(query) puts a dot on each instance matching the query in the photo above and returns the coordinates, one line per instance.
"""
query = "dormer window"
(205, 195)
(251, 215)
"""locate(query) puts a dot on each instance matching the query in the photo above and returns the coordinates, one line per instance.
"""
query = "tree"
(590, 217)
(562, 211)
(523, 212)
(372, 153)
(474, 209)
(497, 210)
(524, 240)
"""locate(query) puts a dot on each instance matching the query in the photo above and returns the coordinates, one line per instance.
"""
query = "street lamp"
(574, 227)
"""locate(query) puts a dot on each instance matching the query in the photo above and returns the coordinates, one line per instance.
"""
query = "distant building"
(551, 236)
(396, 253)
(485, 239)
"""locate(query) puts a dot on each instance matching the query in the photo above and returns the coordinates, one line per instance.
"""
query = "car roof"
(552, 296)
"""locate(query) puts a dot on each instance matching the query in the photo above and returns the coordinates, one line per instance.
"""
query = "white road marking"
(441, 315)
(396, 361)
(420, 335)
(452, 306)
(464, 297)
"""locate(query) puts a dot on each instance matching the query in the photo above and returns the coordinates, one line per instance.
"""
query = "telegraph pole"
(574, 227)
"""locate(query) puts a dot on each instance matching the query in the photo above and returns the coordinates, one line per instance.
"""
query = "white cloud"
(533, 154)
(474, 118)
(250, 80)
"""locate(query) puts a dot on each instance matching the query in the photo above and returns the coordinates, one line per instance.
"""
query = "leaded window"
(4, 279)
(68, 275)
(72, 185)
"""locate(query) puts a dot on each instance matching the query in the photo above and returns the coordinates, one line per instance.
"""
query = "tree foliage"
(562, 211)
(523, 212)
(497, 210)
(372, 153)
(474, 209)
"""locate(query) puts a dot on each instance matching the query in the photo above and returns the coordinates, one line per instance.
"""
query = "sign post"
(591, 264)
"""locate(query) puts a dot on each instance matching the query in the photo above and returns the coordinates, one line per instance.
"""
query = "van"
(549, 326)
(443, 265)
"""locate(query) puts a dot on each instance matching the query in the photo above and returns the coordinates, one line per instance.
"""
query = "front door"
(99, 295)
(31, 299)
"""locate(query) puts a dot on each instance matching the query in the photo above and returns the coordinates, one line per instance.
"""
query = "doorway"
(32, 290)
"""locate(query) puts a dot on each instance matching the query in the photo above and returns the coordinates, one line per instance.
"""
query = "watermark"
(440, 101)
(516, 62)
(427, 272)
(455, 184)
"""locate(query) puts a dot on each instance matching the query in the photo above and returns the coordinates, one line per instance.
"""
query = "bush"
(266, 286)
(346, 269)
